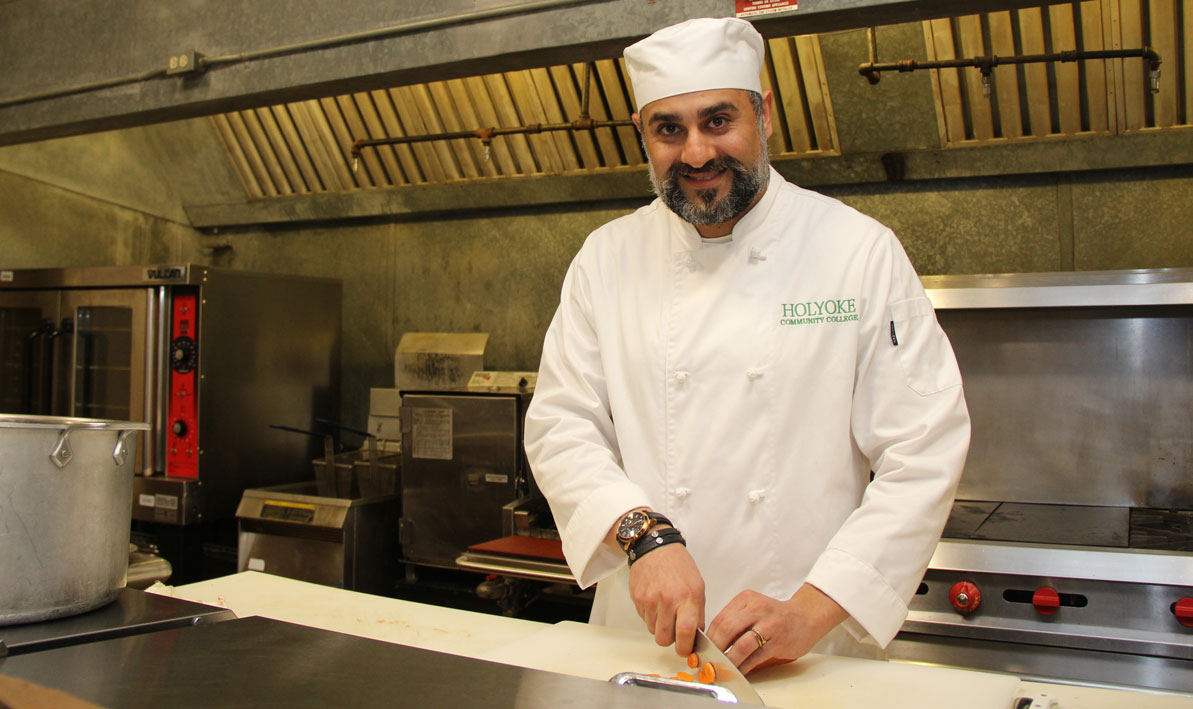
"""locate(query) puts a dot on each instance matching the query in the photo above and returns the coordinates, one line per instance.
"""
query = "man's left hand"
(759, 631)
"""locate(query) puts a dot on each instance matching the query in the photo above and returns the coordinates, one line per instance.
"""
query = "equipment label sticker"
(749, 8)
(432, 433)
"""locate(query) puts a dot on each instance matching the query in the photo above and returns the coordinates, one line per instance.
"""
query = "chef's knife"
(728, 676)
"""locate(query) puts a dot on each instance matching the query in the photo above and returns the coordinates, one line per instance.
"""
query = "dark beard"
(706, 210)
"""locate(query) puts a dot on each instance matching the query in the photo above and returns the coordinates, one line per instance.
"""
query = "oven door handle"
(38, 368)
(59, 369)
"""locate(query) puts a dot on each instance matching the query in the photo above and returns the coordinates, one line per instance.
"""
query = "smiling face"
(707, 152)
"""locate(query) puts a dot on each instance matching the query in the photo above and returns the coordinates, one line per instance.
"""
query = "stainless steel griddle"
(1069, 552)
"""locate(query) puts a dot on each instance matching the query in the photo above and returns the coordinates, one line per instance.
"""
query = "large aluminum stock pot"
(66, 487)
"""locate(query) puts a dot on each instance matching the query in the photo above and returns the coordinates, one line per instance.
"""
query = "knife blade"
(728, 676)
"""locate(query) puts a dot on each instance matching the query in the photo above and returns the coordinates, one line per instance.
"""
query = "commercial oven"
(208, 357)
(1069, 552)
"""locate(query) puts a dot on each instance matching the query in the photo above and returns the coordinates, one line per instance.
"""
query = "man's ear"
(637, 122)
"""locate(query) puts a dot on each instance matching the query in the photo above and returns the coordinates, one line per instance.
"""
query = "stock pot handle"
(121, 453)
(62, 454)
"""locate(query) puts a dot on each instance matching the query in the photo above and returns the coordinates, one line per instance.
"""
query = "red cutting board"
(526, 547)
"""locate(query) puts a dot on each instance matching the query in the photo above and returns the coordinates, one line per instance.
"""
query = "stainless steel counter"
(132, 613)
(263, 662)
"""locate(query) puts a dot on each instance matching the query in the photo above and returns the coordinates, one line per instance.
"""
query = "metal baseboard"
(1046, 663)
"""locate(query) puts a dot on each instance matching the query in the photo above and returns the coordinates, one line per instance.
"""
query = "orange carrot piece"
(708, 674)
(693, 660)
(684, 676)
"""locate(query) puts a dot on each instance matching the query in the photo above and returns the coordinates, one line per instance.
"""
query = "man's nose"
(697, 150)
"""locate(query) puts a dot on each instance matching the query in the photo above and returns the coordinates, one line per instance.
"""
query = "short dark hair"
(756, 102)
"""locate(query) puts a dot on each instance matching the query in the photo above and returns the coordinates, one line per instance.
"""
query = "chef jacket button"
(753, 373)
(681, 376)
(682, 492)
(755, 496)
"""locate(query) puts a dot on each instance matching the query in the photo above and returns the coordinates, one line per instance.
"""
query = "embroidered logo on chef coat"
(816, 312)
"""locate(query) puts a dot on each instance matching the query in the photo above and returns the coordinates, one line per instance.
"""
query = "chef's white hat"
(695, 55)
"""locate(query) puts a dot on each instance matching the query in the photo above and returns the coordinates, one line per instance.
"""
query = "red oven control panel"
(182, 432)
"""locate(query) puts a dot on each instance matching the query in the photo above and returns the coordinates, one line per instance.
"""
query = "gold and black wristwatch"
(638, 533)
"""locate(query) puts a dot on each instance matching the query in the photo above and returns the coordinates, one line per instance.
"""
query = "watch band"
(652, 540)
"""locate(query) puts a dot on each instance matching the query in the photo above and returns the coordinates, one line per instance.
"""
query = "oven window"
(103, 362)
(21, 357)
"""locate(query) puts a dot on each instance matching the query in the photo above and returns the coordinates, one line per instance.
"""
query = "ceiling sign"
(750, 8)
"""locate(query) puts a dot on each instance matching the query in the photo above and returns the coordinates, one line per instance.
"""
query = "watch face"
(631, 526)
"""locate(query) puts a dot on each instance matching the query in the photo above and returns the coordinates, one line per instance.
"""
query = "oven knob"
(1183, 610)
(1046, 601)
(179, 428)
(184, 355)
(965, 597)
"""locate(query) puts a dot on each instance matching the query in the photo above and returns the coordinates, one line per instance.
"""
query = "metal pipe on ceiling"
(486, 135)
(873, 71)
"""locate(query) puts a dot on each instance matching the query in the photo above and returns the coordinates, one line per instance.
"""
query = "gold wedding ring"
(758, 636)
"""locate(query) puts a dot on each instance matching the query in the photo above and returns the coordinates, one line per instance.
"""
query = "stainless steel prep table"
(262, 662)
(132, 613)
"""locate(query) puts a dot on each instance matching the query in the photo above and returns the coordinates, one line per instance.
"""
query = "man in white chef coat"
(727, 368)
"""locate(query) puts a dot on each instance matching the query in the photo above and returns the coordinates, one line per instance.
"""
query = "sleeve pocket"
(922, 347)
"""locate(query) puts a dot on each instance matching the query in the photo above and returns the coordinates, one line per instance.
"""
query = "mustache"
(714, 165)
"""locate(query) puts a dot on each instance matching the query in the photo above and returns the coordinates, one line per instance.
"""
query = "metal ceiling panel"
(305, 147)
(1101, 96)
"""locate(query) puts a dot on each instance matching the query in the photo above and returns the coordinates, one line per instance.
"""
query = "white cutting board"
(599, 652)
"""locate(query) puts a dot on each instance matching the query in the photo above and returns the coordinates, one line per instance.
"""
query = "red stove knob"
(1046, 601)
(965, 597)
(1183, 610)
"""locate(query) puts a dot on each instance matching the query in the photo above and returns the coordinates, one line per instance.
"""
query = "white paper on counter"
(458, 632)
(599, 652)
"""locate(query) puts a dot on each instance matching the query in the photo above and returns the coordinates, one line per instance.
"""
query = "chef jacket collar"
(746, 229)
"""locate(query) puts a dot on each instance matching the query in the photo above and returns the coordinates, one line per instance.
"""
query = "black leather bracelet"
(652, 540)
(658, 518)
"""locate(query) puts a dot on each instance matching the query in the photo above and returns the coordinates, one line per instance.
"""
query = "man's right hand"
(668, 592)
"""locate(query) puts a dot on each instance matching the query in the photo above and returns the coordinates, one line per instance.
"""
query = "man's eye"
(718, 122)
(668, 129)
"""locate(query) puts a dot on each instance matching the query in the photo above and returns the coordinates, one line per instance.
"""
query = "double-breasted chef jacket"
(748, 388)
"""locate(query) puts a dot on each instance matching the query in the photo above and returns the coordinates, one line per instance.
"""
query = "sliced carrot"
(684, 676)
(707, 674)
(693, 660)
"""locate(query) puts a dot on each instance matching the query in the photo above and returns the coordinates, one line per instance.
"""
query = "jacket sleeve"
(910, 420)
(570, 440)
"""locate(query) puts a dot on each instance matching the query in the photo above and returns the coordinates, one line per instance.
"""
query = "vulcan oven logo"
(163, 273)
(815, 312)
